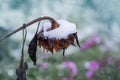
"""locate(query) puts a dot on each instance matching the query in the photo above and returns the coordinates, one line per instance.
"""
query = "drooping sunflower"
(54, 36)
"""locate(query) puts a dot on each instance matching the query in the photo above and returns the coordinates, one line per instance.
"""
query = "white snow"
(65, 28)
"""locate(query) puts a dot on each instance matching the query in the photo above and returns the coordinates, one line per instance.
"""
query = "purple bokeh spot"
(72, 66)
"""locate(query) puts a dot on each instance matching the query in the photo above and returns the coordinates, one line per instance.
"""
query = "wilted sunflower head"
(58, 38)
(54, 36)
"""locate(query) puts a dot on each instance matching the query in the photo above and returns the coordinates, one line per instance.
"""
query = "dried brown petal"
(57, 44)
(51, 44)
(77, 40)
(71, 39)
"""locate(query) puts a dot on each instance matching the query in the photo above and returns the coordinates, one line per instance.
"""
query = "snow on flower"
(72, 66)
(57, 35)
(65, 28)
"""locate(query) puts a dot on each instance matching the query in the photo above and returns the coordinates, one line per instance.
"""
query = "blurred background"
(98, 26)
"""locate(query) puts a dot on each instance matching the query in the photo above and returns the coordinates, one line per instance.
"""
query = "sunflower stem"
(53, 22)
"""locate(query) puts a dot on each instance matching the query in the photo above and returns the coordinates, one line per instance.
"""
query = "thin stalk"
(22, 51)
(53, 22)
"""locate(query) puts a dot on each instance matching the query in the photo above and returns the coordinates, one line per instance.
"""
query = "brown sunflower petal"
(77, 40)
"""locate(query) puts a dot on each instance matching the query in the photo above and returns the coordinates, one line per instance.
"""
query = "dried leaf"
(33, 48)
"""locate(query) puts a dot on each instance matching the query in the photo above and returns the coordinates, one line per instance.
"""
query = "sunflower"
(55, 36)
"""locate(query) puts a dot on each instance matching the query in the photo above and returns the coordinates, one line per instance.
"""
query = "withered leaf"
(33, 48)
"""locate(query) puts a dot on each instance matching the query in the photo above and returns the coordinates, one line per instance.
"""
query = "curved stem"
(53, 22)
(22, 51)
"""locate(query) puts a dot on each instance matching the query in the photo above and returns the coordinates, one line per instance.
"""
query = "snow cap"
(65, 28)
